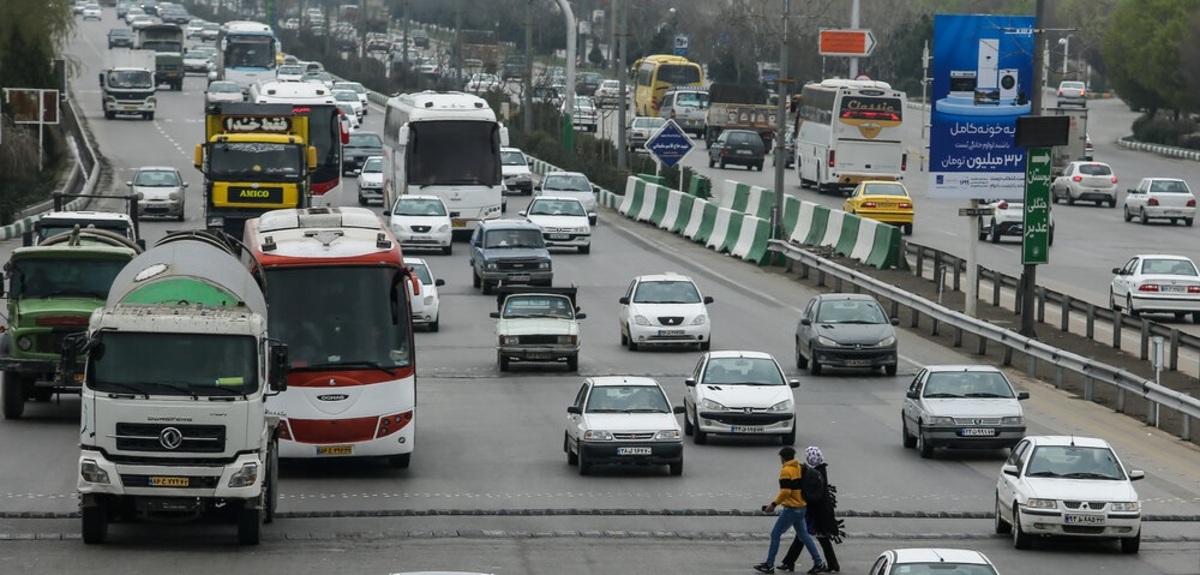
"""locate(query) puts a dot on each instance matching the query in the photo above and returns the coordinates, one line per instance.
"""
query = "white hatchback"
(370, 181)
(739, 393)
(1068, 486)
(421, 222)
(426, 306)
(563, 221)
(664, 309)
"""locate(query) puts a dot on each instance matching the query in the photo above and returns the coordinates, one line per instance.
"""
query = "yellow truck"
(255, 158)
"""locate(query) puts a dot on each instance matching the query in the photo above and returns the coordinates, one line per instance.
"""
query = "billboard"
(982, 81)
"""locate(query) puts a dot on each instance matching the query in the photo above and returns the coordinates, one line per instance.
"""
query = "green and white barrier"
(672, 211)
(751, 242)
(725, 224)
(634, 191)
(654, 206)
(696, 219)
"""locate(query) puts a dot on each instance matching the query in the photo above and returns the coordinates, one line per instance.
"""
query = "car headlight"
(1012, 420)
(490, 265)
(91, 472)
(785, 405)
(173, 196)
(826, 341)
(889, 340)
(1126, 506)
(509, 340)
(246, 476)
(429, 300)
(668, 434)
(640, 320)
(579, 230)
(941, 420)
(700, 320)
(596, 435)
(543, 265)
(444, 228)
(568, 339)
(712, 405)
(1035, 503)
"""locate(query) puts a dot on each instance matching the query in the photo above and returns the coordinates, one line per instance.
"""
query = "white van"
(688, 107)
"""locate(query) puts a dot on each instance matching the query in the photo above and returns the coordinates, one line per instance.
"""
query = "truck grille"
(51, 341)
(150, 437)
(517, 265)
(193, 482)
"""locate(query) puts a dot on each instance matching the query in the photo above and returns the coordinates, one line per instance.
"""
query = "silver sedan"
(961, 406)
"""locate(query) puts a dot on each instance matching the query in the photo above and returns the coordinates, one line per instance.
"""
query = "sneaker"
(818, 569)
(764, 568)
(785, 567)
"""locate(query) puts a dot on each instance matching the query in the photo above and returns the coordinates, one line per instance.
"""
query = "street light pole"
(622, 73)
(854, 23)
(1066, 44)
(781, 129)
(527, 91)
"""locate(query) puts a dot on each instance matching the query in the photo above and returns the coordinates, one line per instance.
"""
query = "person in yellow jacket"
(791, 515)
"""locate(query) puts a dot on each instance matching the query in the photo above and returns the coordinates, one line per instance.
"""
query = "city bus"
(654, 75)
(445, 144)
(339, 294)
(246, 53)
(326, 132)
(849, 131)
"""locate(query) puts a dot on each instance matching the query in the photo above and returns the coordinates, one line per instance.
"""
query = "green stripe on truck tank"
(181, 291)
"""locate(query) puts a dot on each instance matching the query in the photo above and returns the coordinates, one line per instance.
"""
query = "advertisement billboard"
(982, 81)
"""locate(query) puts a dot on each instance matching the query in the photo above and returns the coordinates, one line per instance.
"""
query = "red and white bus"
(338, 296)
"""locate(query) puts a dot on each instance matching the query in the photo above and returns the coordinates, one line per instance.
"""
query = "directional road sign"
(681, 44)
(846, 43)
(670, 144)
(1035, 237)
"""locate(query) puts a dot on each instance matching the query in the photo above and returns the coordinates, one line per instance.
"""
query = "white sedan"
(1068, 486)
(1156, 283)
(1007, 219)
(370, 181)
(482, 84)
(619, 420)
(664, 309)
(426, 306)
(932, 560)
(92, 12)
(1086, 181)
(421, 222)
(739, 393)
(350, 97)
(564, 222)
(1161, 198)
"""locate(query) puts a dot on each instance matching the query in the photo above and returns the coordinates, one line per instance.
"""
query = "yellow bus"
(654, 75)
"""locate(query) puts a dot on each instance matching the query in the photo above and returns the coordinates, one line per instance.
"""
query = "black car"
(587, 82)
(741, 147)
(362, 145)
(120, 37)
(420, 38)
(845, 330)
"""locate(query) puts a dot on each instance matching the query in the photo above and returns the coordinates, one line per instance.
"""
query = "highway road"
(489, 487)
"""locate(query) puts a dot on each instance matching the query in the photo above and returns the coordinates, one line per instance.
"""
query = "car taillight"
(903, 162)
(1148, 287)
(1193, 289)
(1152, 202)
(1077, 179)
(1002, 205)
(1114, 179)
(1191, 203)
(831, 157)
(390, 424)
(870, 205)
(905, 206)
(1060, 92)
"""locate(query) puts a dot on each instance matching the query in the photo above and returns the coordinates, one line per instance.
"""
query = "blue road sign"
(681, 44)
(670, 144)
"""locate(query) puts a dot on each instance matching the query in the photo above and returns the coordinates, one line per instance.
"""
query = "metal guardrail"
(1159, 396)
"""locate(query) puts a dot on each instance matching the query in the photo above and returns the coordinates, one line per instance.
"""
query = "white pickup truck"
(537, 324)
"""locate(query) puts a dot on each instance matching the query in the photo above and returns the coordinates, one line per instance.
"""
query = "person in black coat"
(823, 523)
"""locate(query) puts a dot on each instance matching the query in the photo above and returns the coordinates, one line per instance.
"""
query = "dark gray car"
(845, 330)
(506, 252)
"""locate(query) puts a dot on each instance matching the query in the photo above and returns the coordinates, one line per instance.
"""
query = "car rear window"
(1169, 187)
(1095, 170)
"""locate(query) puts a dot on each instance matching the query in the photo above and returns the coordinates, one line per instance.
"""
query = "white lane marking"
(158, 126)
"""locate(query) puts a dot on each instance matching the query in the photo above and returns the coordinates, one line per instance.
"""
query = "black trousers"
(797, 547)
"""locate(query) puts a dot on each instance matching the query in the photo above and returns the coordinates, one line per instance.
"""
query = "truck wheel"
(502, 361)
(150, 116)
(95, 523)
(14, 396)
(249, 525)
(110, 115)
(400, 461)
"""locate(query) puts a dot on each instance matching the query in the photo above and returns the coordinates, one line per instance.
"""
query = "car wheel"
(1129, 307)
(1174, 221)
(705, 346)
(906, 438)
(995, 232)
(624, 339)
(1130, 545)
(1188, 221)
(361, 200)
(983, 232)
(585, 249)
(435, 325)
(486, 288)
(1112, 203)
(699, 437)
(475, 281)
(448, 250)
(1070, 198)
(908, 229)
(1142, 216)
(502, 360)
(801, 361)
(711, 163)
(789, 438)
(585, 466)
(1196, 317)
(573, 363)
(1002, 527)
(891, 369)
(923, 446)
(814, 367)
(632, 345)
(676, 467)
(1128, 216)
(1054, 195)
(688, 428)
(1112, 301)
(1021, 539)
(572, 458)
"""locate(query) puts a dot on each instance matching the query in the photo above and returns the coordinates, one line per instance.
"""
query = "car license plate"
(1176, 289)
(421, 238)
(158, 481)
(747, 429)
(858, 362)
(335, 450)
(669, 332)
(978, 432)
(633, 451)
(458, 223)
(518, 278)
(560, 236)
(539, 356)
(745, 152)
(1084, 519)
(1173, 212)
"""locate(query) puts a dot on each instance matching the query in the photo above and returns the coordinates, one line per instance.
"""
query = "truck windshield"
(128, 79)
(538, 306)
(257, 161)
(452, 152)
(182, 364)
(341, 316)
(162, 46)
(64, 277)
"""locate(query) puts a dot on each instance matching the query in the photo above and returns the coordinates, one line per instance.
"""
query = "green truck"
(53, 287)
(166, 40)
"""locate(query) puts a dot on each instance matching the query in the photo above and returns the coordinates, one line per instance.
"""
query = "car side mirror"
(623, 301)
(793, 383)
(185, 184)
(679, 410)
(522, 213)
(128, 184)
(574, 409)
(439, 282)
(805, 321)
(1118, 271)
(1010, 469)
(912, 394)
(690, 382)
(895, 321)
(1022, 395)
(1136, 474)
(494, 315)
(387, 212)
(581, 316)
(708, 299)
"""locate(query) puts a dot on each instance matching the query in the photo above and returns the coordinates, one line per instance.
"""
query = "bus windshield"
(250, 52)
(162, 46)
(256, 161)
(453, 152)
(679, 74)
(344, 317)
(184, 363)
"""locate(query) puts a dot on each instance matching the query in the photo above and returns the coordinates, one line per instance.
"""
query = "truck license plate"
(518, 278)
(633, 451)
(458, 223)
(335, 450)
(159, 481)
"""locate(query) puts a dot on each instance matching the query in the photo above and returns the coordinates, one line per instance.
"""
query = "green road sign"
(1035, 239)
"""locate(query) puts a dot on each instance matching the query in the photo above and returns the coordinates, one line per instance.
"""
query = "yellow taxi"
(883, 201)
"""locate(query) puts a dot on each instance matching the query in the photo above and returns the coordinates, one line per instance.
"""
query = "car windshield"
(884, 190)
(365, 140)
(743, 370)
(290, 71)
(420, 207)
(522, 238)
(224, 88)
(345, 96)
(627, 399)
(961, 384)
(422, 272)
(567, 183)
(666, 291)
(1072, 85)
(1169, 187)
(1074, 463)
(56, 277)
(201, 53)
(850, 311)
(373, 166)
(1095, 170)
(941, 568)
(527, 306)
(512, 159)
(556, 208)
(1168, 267)
(156, 179)
(694, 99)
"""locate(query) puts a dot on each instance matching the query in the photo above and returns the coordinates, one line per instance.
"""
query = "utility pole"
(527, 90)
(1029, 271)
(782, 88)
(404, 40)
(622, 74)
(457, 59)
(854, 18)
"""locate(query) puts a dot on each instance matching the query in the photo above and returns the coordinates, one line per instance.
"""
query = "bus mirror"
(198, 160)
(403, 136)
(279, 367)
(312, 158)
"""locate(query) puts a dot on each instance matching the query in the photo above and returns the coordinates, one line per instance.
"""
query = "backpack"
(812, 484)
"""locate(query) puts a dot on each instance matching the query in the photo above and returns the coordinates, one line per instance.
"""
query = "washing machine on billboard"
(1010, 85)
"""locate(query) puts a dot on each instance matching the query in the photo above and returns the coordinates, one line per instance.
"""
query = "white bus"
(849, 131)
(246, 53)
(326, 130)
(445, 144)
